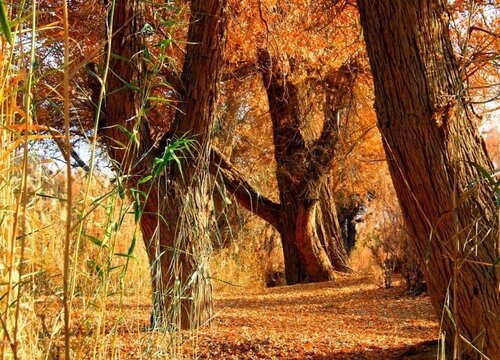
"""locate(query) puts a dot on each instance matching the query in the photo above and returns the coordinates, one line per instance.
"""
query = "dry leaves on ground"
(351, 318)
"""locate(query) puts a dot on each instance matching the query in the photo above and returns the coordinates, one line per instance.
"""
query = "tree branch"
(240, 73)
(243, 192)
(283, 98)
(56, 136)
(339, 87)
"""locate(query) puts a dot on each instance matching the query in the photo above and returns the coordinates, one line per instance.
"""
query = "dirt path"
(351, 318)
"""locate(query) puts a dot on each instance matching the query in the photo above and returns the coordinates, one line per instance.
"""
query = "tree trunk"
(433, 146)
(174, 212)
(307, 213)
(330, 233)
(306, 259)
(310, 236)
(319, 224)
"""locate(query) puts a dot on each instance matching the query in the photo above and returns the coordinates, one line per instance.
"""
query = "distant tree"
(305, 217)
(437, 159)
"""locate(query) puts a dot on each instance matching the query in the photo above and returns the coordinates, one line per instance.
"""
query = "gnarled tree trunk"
(306, 217)
(174, 211)
(432, 143)
(315, 248)
(330, 233)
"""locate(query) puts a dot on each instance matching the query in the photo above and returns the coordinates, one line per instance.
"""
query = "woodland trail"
(351, 318)
(348, 319)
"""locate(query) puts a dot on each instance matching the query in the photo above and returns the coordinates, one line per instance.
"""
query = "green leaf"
(5, 24)
(124, 130)
(132, 246)
(125, 256)
(92, 263)
(145, 179)
(450, 314)
(131, 86)
(121, 188)
(95, 240)
(115, 268)
(168, 22)
(177, 161)
(484, 172)
(159, 99)
(137, 204)
(46, 196)
(147, 53)
(171, 153)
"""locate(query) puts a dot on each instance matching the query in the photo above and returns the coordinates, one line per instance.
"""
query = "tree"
(306, 215)
(436, 159)
(173, 202)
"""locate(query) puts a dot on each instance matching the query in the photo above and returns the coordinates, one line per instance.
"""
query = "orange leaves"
(349, 319)
(313, 32)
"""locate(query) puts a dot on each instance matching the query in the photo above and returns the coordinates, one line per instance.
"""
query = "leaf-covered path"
(351, 318)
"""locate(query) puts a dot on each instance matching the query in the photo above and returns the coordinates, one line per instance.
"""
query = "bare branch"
(243, 192)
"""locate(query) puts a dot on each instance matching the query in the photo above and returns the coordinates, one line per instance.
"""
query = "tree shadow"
(426, 350)
(358, 302)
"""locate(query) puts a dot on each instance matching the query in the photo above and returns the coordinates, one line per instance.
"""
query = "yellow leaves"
(18, 141)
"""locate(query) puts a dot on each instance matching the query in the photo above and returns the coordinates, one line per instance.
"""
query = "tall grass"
(63, 233)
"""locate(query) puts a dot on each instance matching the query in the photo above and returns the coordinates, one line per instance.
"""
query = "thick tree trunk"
(307, 213)
(311, 227)
(306, 217)
(318, 223)
(306, 259)
(432, 144)
(174, 212)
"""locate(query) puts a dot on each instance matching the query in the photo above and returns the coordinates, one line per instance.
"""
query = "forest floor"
(351, 318)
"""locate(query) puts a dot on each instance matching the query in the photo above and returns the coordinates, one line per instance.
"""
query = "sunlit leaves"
(175, 151)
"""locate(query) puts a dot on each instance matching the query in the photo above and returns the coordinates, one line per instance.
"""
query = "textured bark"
(330, 234)
(320, 223)
(312, 244)
(431, 140)
(174, 219)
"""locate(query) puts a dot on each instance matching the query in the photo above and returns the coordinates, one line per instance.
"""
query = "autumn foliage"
(250, 179)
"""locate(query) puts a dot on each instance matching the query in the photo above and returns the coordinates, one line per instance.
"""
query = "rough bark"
(312, 244)
(431, 142)
(327, 217)
(321, 225)
(174, 212)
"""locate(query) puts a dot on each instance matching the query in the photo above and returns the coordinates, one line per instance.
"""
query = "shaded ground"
(349, 319)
